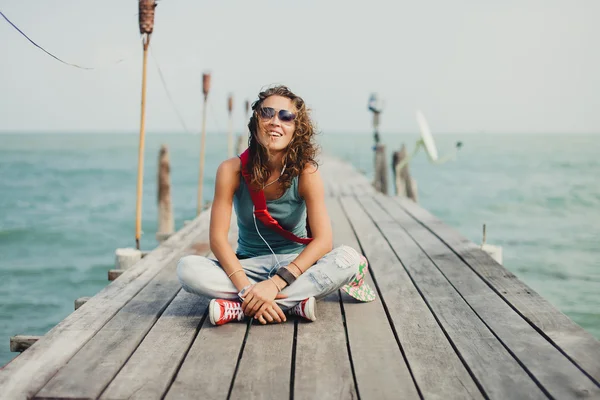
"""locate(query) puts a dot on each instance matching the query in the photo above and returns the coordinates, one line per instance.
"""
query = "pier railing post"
(381, 181)
(166, 225)
(404, 184)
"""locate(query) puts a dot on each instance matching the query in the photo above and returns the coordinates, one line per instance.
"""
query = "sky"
(511, 66)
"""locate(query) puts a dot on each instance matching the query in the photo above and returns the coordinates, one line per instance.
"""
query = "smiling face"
(273, 133)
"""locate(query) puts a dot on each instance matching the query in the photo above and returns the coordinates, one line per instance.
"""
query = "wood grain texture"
(371, 339)
(149, 372)
(265, 368)
(322, 369)
(438, 371)
(209, 366)
(558, 375)
(106, 353)
(496, 371)
(571, 338)
(26, 375)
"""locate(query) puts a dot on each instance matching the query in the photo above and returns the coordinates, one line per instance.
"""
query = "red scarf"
(260, 206)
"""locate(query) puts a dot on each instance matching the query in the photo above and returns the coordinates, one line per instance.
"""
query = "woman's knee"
(346, 260)
(189, 269)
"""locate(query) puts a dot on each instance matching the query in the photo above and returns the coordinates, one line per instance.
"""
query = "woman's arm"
(226, 183)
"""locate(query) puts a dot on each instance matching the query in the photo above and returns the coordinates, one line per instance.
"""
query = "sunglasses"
(269, 113)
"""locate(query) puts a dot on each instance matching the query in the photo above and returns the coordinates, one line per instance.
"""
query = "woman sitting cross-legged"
(274, 185)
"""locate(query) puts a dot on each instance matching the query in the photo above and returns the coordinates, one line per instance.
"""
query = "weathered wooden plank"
(485, 356)
(209, 366)
(437, 369)
(150, 370)
(266, 364)
(554, 372)
(371, 339)
(25, 375)
(322, 368)
(106, 353)
(572, 339)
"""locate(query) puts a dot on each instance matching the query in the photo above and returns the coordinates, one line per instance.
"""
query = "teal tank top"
(289, 210)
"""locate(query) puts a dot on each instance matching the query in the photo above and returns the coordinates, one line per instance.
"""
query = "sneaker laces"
(232, 310)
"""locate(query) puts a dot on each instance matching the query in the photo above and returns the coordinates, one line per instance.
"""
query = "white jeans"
(205, 277)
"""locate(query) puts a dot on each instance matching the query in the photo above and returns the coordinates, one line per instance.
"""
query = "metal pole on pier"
(205, 90)
(230, 133)
(146, 22)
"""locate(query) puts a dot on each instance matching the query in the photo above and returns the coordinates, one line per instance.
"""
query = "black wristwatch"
(286, 275)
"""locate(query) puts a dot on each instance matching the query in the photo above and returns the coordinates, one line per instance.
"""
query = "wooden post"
(205, 90)
(146, 23)
(230, 133)
(380, 183)
(127, 258)
(404, 184)
(166, 226)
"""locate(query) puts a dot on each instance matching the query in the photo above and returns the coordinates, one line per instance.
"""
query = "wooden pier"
(449, 323)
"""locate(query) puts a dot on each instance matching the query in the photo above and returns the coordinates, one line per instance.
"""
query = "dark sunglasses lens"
(286, 116)
(266, 112)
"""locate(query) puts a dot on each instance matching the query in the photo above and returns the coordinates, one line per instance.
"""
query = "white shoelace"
(233, 311)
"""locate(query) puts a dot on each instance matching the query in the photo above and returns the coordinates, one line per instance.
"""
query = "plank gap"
(186, 353)
(499, 293)
(383, 303)
(293, 368)
(160, 313)
(348, 345)
(513, 355)
(239, 360)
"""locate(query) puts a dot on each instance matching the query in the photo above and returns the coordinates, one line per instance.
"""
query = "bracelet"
(243, 292)
(286, 275)
(275, 283)
(296, 265)
(234, 272)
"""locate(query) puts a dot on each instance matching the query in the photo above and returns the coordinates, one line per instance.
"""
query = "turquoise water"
(67, 201)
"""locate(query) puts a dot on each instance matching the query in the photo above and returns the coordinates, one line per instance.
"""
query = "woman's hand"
(259, 294)
(270, 313)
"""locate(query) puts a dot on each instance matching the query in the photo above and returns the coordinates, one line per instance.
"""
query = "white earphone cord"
(263, 239)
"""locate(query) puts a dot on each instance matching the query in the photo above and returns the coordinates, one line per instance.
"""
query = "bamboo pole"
(146, 24)
(205, 90)
(230, 133)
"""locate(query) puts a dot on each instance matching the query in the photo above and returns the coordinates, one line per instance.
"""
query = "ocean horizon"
(67, 201)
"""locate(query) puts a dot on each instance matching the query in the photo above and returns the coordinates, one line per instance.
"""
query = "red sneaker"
(305, 309)
(223, 311)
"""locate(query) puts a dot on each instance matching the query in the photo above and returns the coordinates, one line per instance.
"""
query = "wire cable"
(164, 83)
(40, 47)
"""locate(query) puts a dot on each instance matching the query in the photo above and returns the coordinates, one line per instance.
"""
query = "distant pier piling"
(166, 224)
(404, 184)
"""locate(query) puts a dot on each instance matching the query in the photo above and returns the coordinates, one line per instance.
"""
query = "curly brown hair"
(302, 149)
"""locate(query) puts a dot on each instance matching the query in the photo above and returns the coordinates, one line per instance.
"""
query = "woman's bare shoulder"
(310, 168)
(231, 166)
